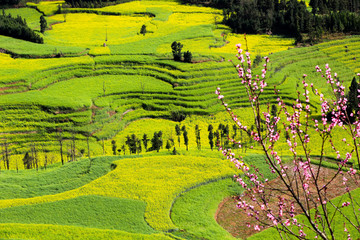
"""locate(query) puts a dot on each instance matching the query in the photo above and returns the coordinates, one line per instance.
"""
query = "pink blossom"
(352, 171)
(302, 234)
(287, 222)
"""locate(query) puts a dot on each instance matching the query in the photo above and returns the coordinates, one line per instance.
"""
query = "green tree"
(123, 148)
(131, 141)
(217, 135)
(353, 100)
(186, 138)
(113, 146)
(138, 146)
(197, 135)
(145, 141)
(168, 145)
(174, 152)
(160, 133)
(178, 132)
(28, 161)
(187, 56)
(176, 50)
(43, 24)
(211, 136)
(221, 133)
(143, 30)
(156, 141)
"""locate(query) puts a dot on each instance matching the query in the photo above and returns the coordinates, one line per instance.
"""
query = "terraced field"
(93, 95)
(72, 89)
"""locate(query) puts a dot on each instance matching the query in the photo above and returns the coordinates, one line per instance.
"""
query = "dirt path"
(234, 220)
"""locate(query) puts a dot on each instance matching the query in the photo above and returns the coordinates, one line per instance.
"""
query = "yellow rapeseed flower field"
(14, 68)
(83, 29)
(100, 51)
(142, 6)
(257, 44)
(47, 7)
(155, 180)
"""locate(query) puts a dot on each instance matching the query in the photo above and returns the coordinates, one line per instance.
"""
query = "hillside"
(74, 101)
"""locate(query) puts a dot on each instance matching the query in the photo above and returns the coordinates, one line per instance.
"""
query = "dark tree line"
(17, 28)
(289, 17)
(6, 3)
(318, 6)
(328, 6)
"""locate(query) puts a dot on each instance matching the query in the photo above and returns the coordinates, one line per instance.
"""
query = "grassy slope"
(198, 200)
(204, 201)
(55, 179)
(31, 16)
(101, 212)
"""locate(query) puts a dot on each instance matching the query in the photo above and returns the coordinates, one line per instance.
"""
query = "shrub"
(187, 56)
(176, 50)
(143, 30)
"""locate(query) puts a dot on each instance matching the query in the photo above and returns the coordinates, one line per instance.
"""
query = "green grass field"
(100, 212)
(203, 225)
(95, 94)
(205, 199)
(176, 174)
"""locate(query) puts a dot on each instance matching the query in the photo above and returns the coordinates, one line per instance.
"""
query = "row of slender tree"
(217, 137)
(134, 144)
(68, 149)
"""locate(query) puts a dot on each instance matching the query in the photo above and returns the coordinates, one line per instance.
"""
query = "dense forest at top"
(291, 18)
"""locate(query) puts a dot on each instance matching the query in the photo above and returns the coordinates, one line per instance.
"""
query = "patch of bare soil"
(235, 221)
